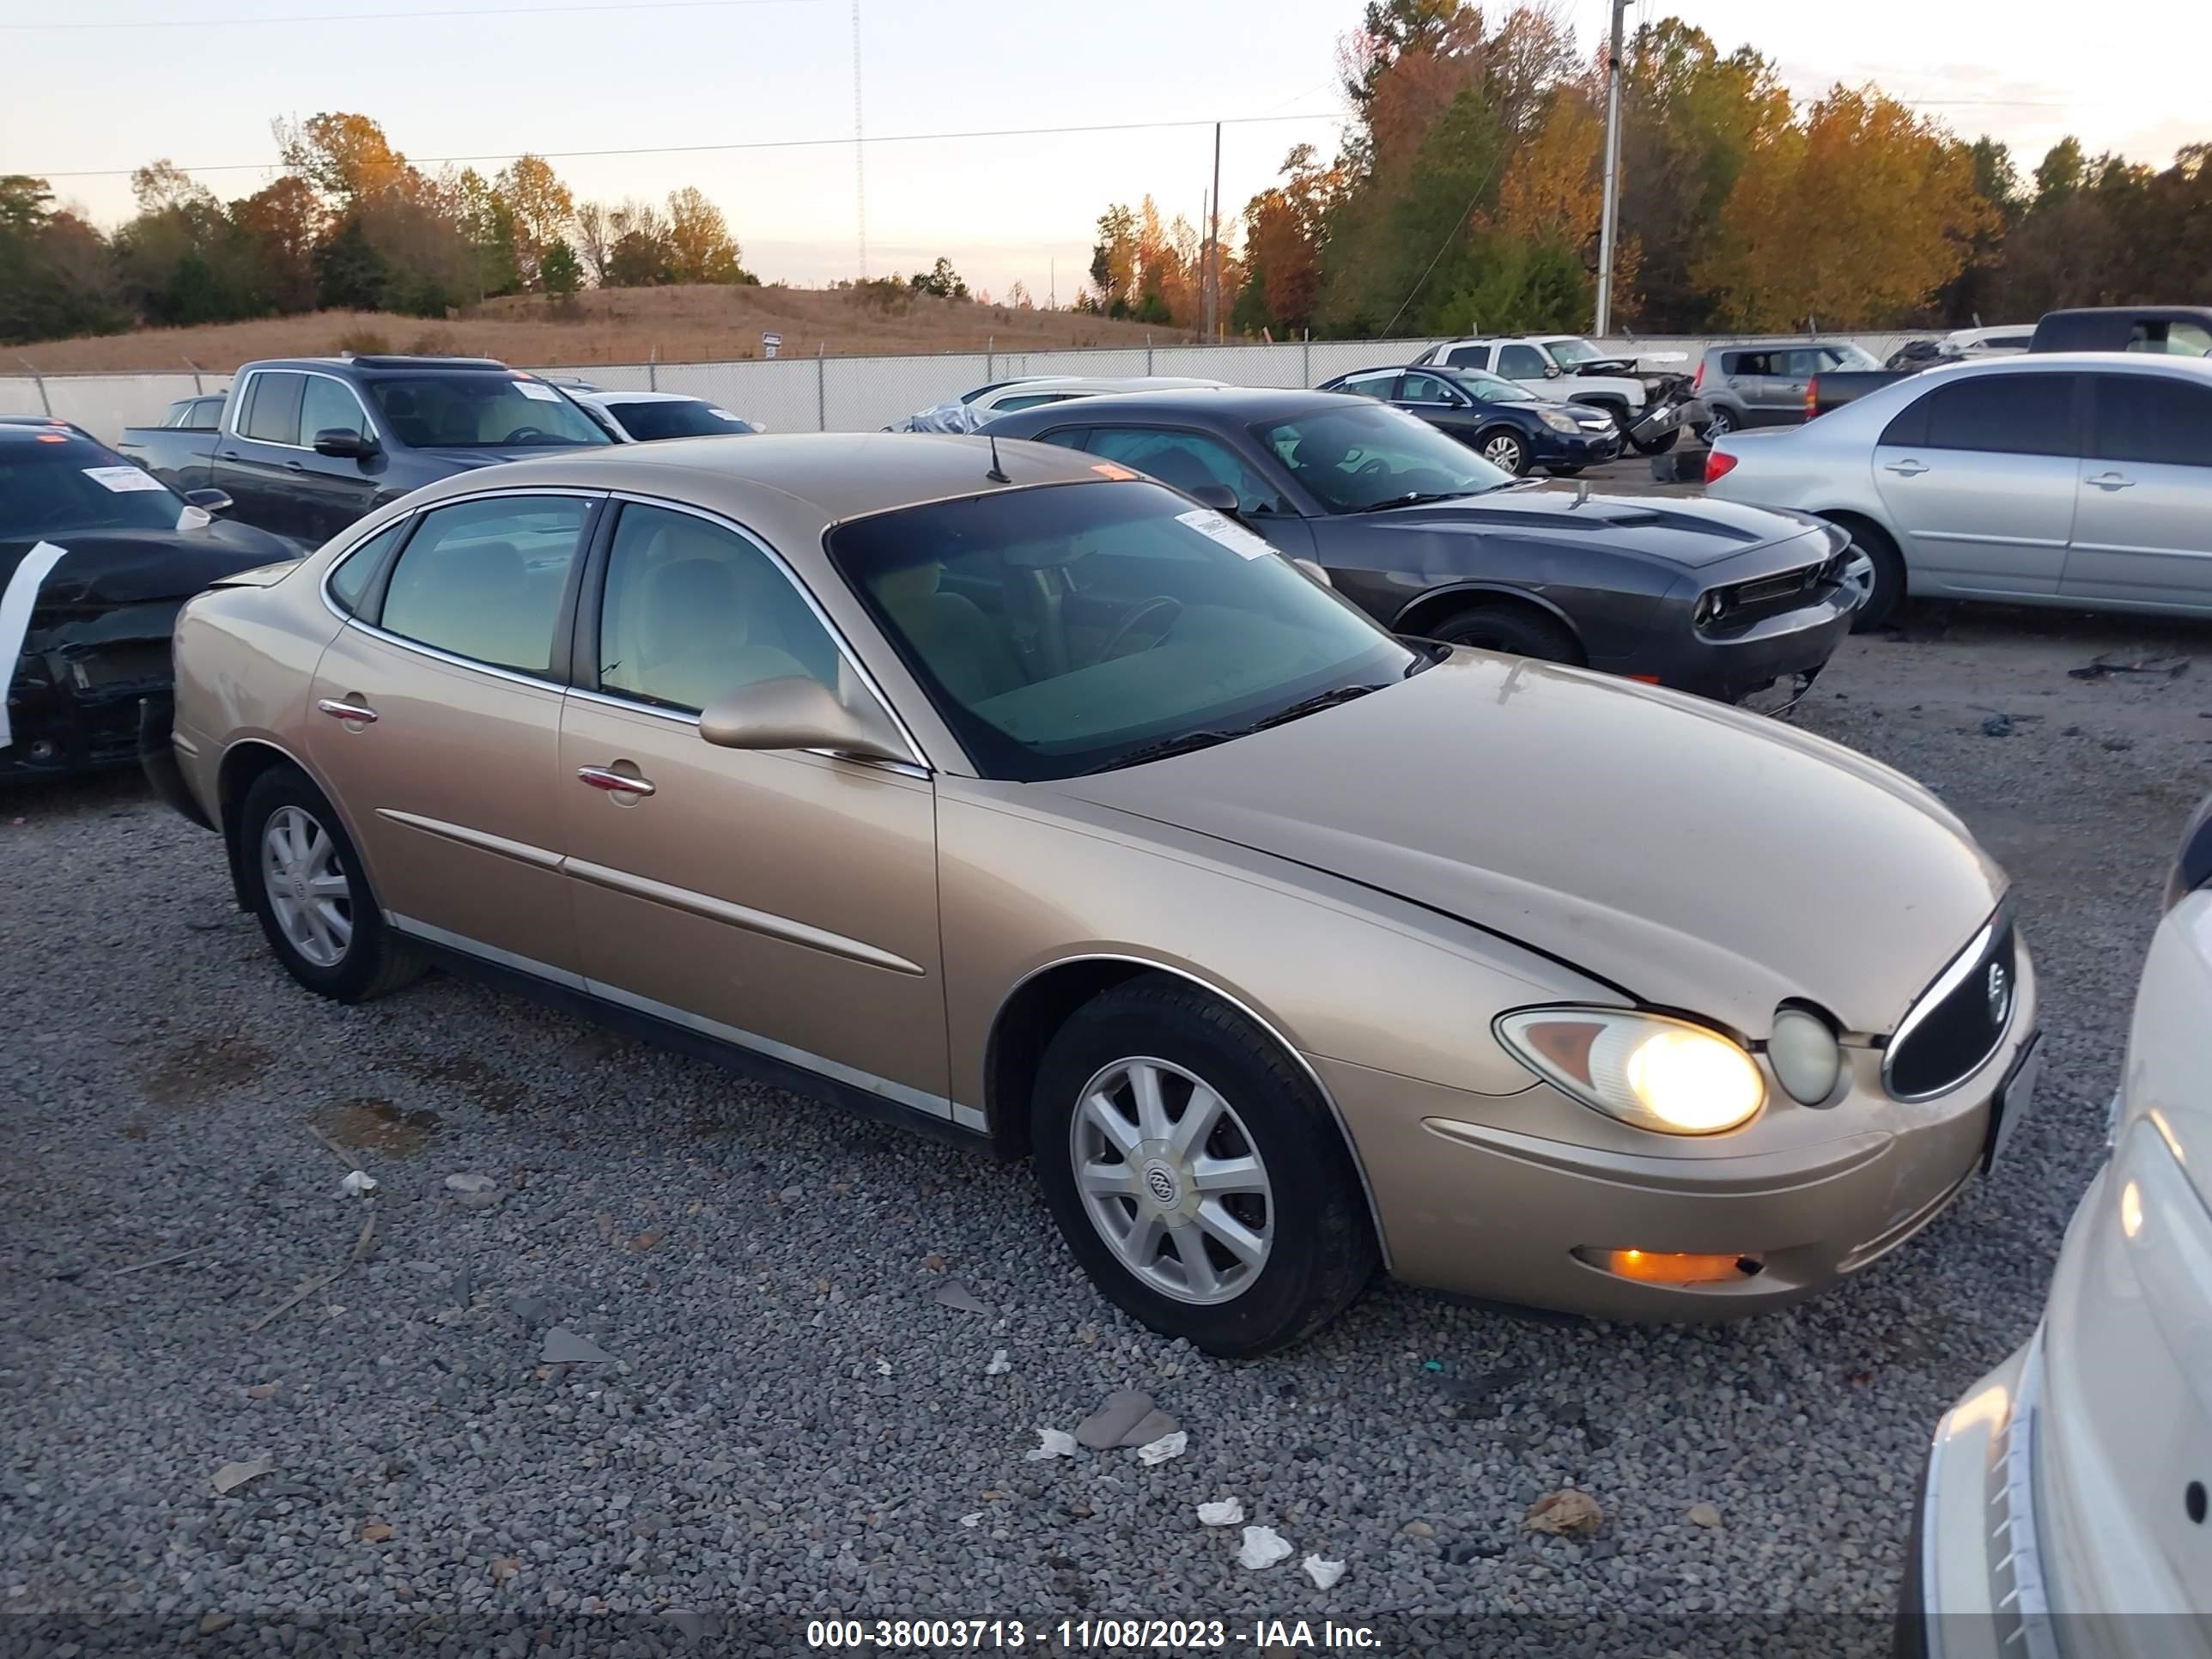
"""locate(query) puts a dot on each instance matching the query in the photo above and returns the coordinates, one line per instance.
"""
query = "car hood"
(126, 567)
(1697, 857)
(1686, 533)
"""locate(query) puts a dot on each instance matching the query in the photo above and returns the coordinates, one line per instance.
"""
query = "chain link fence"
(857, 394)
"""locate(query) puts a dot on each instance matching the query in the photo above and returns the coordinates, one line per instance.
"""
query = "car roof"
(790, 486)
(1229, 405)
(30, 429)
(603, 397)
(1108, 383)
(383, 364)
(2053, 362)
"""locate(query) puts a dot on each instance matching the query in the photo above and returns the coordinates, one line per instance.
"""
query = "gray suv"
(1763, 383)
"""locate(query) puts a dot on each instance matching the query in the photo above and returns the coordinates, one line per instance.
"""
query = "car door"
(1978, 477)
(259, 460)
(2142, 518)
(335, 490)
(1467, 356)
(437, 721)
(1190, 459)
(784, 900)
(1440, 403)
(1746, 374)
(1522, 362)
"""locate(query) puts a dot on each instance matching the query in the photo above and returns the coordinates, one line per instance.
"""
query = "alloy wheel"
(1504, 451)
(307, 887)
(1172, 1180)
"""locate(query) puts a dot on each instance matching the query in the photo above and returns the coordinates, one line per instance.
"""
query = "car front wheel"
(1196, 1172)
(1720, 425)
(1506, 451)
(307, 887)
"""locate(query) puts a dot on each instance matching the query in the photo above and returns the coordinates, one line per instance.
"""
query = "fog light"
(1670, 1268)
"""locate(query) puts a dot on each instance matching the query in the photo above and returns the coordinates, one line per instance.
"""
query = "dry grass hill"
(615, 326)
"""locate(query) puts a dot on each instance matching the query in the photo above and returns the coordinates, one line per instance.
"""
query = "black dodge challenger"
(1428, 538)
(96, 555)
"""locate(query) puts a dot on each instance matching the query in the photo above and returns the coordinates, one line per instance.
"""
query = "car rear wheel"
(1509, 628)
(1720, 425)
(307, 887)
(1885, 583)
(1506, 449)
(1196, 1172)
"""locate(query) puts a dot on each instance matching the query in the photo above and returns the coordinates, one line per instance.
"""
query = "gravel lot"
(791, 1426)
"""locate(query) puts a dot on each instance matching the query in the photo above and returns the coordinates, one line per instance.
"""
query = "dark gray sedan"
(1430, 539)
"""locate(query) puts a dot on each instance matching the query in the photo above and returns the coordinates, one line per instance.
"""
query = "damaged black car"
(96, 555)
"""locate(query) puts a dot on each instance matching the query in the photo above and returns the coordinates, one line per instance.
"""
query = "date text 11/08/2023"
(1087, 1635)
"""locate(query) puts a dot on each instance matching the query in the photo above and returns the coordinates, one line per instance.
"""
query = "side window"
(1799, 365)
(1520, 362)
(2005, 414)
(356, 571)
(273, 417)
(693, 611)
(484, 579)
(1427, 389)
(1067, 437)
(1908, 428)
(1747, 362)
(1030, 400)
(205, 414)
(327, 404)
(2150, 419)
(1467, 357)
(1371, 385)
(1187, 460)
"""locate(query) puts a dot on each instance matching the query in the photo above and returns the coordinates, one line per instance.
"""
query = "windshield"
(47, 487)
(646, 421)
(478, 411)
(1365, 454)
(1847, 356)
(1488, 388)
(1569, 354)
(1063, 628)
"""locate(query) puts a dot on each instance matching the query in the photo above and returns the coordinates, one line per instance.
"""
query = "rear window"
(48, 488)
(646, 422)
(479, 411)
(2150, 419)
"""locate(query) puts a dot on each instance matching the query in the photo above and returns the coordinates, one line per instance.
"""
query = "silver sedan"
(2077, 479)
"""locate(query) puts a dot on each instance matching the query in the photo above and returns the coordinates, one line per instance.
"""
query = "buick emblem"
(1162, 1182)
(1997, 992)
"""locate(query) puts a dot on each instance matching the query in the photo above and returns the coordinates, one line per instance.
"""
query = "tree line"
(1465, 197)
(351, 223)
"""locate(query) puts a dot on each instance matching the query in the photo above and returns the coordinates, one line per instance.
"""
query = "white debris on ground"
(1229, 1512)
(357, 1182)
(1167, 1446)
(232, 1475)
(1262, 1548)
(1051, 1443)
(999, 1365)
(1323, 1573)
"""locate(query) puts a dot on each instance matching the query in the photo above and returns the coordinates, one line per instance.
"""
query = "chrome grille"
(1960, 1020)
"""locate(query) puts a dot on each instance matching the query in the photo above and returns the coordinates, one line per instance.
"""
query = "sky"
(686, 77)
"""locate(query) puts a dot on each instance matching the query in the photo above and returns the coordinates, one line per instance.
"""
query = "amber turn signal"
(1663, 1268)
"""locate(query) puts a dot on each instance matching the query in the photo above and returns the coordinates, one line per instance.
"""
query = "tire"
(1503, 447)
(1889, 580)
(1564, 472)
(1306, 1213)
(353, 959)
(1512, 629)
(1721, 425)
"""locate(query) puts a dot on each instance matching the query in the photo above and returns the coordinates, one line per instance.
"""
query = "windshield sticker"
(544, 394)
(123, 479)
(1235, 537)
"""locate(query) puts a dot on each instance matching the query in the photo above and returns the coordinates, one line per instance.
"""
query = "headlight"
(1805, 1056)
(1556, 422)
(1654, 1072)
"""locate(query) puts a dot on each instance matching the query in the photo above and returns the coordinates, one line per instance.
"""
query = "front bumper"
(1485, 1196)
(1587, 448)
(1730, 664)
(157, 758)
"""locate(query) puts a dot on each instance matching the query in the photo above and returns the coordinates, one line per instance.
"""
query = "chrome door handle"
(1906, 469)
(347, 711)
(615, 783)
(2113, 481)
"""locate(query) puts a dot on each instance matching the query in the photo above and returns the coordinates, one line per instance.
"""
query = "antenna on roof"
(997, 474)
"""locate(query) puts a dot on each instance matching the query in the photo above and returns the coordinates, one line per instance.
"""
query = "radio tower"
(860, 153)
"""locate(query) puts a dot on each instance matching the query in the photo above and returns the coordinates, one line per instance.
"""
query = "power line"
(394, 16)
(763, 143)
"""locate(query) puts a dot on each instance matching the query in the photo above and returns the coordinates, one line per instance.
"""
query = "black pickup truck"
(305, 445)
(2181, 331)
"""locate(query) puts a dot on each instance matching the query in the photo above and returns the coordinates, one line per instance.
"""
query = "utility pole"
(860, 162)
(1606, 235)
(1214, 242)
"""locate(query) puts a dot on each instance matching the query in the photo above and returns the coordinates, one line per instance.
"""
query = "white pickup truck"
(1649, 407)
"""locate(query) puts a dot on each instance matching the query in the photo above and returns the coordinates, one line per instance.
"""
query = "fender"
(1440, 598)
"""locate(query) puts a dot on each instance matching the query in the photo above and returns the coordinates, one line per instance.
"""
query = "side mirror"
(1551, 371)
(1218, 496)
(344, 443)
(795, 712)
(210, 501)
(1311, 570)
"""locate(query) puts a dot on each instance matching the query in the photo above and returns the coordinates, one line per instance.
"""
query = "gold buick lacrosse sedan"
(1006, 793)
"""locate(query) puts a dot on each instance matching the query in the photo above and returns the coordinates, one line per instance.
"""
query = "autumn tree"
(1113, 260)
(285, 221)
(345, 157)
(940, 280)
(539, 207)
(593, 241)
(1862, 212)
(701, 247)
